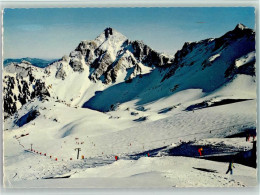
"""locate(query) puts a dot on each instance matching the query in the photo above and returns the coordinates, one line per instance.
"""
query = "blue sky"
(53, 32)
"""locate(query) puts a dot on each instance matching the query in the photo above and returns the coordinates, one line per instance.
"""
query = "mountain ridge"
(112, 59)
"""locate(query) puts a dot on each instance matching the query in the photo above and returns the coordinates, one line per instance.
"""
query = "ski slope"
(101, 140)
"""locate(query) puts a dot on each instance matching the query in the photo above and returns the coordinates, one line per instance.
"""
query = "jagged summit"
(108, 32)
(112, 53)
(241, 26)
(239, 31)
(110, 35)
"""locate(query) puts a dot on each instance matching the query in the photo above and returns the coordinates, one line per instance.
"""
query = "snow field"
(121, 137)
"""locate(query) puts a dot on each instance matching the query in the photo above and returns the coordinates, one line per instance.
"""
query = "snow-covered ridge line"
(203, 48)
(111, 59)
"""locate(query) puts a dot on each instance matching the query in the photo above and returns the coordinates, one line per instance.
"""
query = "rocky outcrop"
(75, 61)
(102, 65)
(60, 74)
(40, 90)
(9, 98)
(243, 65)
(148, 56)
(108, 31)
(20, 88)
(126, 62)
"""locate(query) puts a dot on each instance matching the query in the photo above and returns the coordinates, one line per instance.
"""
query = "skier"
(116, 157)
(199, 150)
(230, 167)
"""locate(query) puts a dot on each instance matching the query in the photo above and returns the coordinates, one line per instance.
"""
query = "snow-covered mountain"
(110, 58)
(223, 50)
(113, 96)
(207, 65)
(113, 62)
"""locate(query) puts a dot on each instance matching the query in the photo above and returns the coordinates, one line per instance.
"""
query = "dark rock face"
(75, 61)
(87, 49)
(13, 99)
(102, 65)
(148, 56)
(187, 48)
(108, 31)
(206, 104)
(77, 66)
(112, 73)
(9, 103)
(247, 69)
(25, 93)
(60, 74)
(40, 90)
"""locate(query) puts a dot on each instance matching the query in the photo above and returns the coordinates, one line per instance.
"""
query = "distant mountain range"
(41, 63)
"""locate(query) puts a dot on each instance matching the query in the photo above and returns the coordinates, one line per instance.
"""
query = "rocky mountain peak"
(239, 31)
(241, 26)
(112, 53)
(110, 35)
(108, 32)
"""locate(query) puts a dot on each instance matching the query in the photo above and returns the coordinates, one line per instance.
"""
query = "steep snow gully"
(116, 113)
